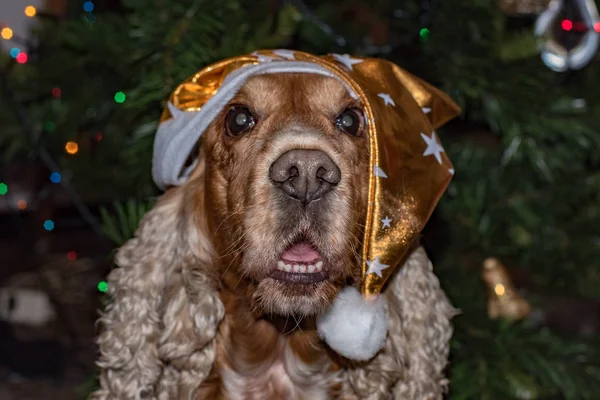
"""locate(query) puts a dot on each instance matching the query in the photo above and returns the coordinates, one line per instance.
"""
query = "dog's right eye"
(239, 120)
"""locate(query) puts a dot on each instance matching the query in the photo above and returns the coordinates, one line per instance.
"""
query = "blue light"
(14, 52)
(48, 225)
(88, 6)
(55, 177)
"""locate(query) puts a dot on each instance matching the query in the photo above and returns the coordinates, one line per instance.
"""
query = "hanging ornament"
(523, 7)
(503, 299)
(568, 34)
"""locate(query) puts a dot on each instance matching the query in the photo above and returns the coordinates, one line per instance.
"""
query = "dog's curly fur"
(173, 317)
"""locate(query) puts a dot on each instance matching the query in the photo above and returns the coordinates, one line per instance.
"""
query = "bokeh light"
(424, 33)
(30, 11)
(98, 136)
(49, 126)
(72, 256)
(72, 147)
(88, 6)
(567, 25)
(48, 225)
(56, 92)
(14, 52)
(6, 33)
(103, 286)
(55, 177)
(21, 204)
(22, 57)
(3, 188)
(597, 27)
(120, 97)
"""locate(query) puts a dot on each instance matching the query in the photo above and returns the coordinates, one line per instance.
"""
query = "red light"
(567, 25)
(22, 58)
(72, 256)
(98, 136)
(56, 92)
(597, 27)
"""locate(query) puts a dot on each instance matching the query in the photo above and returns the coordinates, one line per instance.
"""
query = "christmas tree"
(90, 92)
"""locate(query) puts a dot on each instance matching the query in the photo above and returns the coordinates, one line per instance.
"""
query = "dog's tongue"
(301, 252)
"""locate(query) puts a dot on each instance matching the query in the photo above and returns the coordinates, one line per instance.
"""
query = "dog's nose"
(305, 175)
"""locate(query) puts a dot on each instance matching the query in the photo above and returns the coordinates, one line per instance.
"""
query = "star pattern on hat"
(347, 60)
(262, 57)
(375, 267)
(379, 172)
(387, 99)
(386, 222)
(433, 147)
(289, 54)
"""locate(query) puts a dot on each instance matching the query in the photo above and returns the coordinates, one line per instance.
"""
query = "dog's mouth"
(300, 263)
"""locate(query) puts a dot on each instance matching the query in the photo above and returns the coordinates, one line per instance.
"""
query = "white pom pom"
(355, 327)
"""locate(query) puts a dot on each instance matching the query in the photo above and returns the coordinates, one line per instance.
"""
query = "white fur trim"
(355, 327)
(176, 138)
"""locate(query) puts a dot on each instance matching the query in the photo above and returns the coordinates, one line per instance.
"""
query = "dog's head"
(286, 185)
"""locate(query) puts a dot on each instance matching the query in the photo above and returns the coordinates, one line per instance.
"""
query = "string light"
(6, 33)
(424, 33)
(22, 57)
(120, 97)
(48, 225)
(21, 204)
(597, 27)
(500, 289)
(88, 6)
(3, 188)
(55, 177)
(30, 11)
(56, 92)
(566, 24)
(102, 286)
(72, 256)
(14, 52)
(72, 147)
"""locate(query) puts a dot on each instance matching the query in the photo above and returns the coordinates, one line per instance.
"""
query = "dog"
(218, 294)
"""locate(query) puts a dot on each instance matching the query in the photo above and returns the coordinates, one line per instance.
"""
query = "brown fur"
(195, 315)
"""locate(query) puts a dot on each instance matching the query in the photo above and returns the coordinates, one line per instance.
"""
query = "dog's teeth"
(303, 269)
(280, 265)
(287, 267)
(319, 266)
(296, 268)
(311, 268)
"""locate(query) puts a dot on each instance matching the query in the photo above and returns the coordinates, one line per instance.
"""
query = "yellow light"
(6, 33)
(499, 289)
(30, 11)
(72, 147)
(21, 204)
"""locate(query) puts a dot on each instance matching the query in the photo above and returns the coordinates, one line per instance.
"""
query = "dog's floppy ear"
(165, 309)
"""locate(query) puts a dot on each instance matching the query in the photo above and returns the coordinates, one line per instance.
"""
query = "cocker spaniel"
(217, 295)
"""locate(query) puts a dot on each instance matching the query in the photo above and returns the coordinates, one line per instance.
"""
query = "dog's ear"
(164, 307)
(415, 355)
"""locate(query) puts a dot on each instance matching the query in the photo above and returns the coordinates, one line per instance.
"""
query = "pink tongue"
(301, 252)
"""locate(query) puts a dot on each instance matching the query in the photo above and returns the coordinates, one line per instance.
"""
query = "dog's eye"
(239, 120)
(350, 121)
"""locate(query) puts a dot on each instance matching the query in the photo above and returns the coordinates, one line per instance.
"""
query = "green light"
(3, 188)
(103, 286)
(49, 126)
(120, 97)
(424, 33)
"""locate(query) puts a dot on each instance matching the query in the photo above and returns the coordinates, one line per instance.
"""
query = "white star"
(375, 267)
(386, 222)
(379, 172)
(262, 58)
(433, 147)
(451, 170)
(426, 110)
(347, 60)
(289, 54)
(387, 99)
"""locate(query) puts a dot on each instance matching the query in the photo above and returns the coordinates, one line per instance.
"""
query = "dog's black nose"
(305, 175)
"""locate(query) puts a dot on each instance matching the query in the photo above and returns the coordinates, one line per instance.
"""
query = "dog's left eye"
(350, 121)
(239, 120)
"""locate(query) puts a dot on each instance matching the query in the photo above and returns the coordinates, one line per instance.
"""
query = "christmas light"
(597, 27)
(72, 147)
(56, 92)
(6, 33)
(48, 225)
(14, 52)
(55, 177)
(72, 256)
(88, 6)
(21, 204)
(566, 24)
(22, 58)
(120, 97)
(30, 11)
(424, 33)
(103, 286)
(3, 188)
(499, 289)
